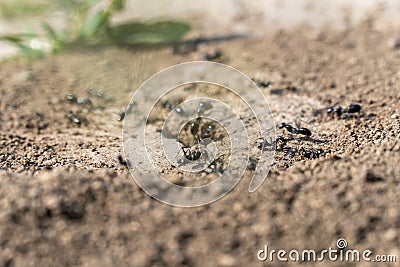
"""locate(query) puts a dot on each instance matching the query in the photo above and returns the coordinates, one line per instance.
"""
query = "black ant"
(197, 124)
(208, 131)
(194, 126)
(212, 56)
(95, 92)
(121, 116)
(73, 118)
(217, 166)
(263, 83)
(195, 152)
(71, 98)
(84, 101)
(180, 111)
(185, 48)
(167, 104)
(200, 130)
(122, 161)
(282, 140)
(192, 153)
(264, 143)
(312, 154)
(291, 152)
(339, 111)
(294, 130)
(252, 164)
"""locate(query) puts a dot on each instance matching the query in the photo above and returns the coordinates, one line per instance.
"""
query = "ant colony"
(201, 152)
(195, 148)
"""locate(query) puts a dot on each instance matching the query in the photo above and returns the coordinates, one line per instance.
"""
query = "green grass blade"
(93, 24)
(135, 33)
(29, 52)
(57, 40)
(17, 38)
(51, 33)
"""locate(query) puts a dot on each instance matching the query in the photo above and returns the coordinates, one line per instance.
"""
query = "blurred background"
(205, 17)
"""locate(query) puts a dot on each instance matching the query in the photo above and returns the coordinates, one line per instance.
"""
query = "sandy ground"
(65, 199)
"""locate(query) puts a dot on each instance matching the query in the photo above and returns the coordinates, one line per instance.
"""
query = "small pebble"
(71, 98)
